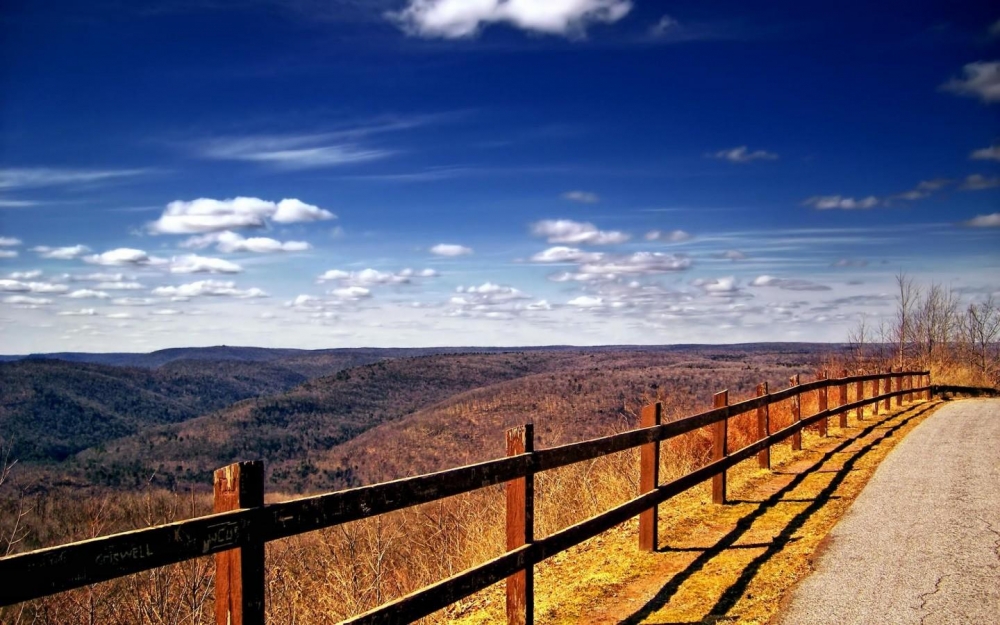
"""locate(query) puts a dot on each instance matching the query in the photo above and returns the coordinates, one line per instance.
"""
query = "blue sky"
(331, 173)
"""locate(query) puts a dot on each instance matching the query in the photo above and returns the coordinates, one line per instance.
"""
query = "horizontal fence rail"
(46, 571)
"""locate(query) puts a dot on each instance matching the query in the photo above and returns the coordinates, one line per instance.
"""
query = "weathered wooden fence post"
(927, 383)
(899, 387)
(649, 476)
(763, 428)
(239, 573)
(843, 399)
(859, 392)
(796, 414)
(886, 389)
(822, 396)
(521, 528)
(720, 446)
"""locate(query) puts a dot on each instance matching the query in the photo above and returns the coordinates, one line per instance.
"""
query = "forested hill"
(91, 424)
(50, 409)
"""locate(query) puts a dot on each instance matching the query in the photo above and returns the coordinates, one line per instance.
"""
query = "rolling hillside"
(410, 415)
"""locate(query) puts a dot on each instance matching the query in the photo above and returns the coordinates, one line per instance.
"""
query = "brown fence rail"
(236, 533)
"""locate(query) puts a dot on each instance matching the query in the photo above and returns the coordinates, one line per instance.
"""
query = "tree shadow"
(729, 597)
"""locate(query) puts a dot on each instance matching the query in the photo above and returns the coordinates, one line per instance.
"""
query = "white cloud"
(333, 274)
(450, 249)
(61, 253)
(48, 177)
(88, 294)
(119, 315)
(291, 211)
(26, 301)
(351, 293)
(207, 215)
(119, 286)
(719, 286)
(674, 236)
(584, 197)
(8, 254)
(229, 242)
(135, 301)
(639, 263)
(991, 153)
(192, 263)
(832, 202)
(373, 277)
(307, 303)
(83, 312)
(980, 80)
(741, 154)
(452, 19)
(100, 277)
(788, 284)
(576, 232)
(123, 256)
(290, 151)
(214, 288)
(166, 312)
(26, 275)
(563, 254)
(977, 182)
(490, 301)
(9, 242)
(586, 301)
(985, 221)
(31, 287)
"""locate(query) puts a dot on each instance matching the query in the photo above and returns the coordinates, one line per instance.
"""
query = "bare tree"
(860, 339)
(982, 330)
(906, 299)
(935, 321)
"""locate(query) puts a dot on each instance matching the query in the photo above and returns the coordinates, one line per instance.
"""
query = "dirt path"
(922, 543)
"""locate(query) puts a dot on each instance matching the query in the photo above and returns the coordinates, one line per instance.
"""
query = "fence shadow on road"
(732, 593)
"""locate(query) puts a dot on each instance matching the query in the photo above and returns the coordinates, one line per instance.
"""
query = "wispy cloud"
(838, 202)
(290, 151)
(985, 221)
(978, 182)
(742, 154)
(455, 19)
(584, 197)
(924, 189)
(664, 26)
(979, 80)
(672, 236)
(61, 253)
(991, 153)
(38, 177)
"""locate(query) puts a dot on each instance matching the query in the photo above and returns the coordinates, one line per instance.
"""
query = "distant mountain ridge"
(151, 360)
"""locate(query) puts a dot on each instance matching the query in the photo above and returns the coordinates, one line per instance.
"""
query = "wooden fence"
(242, 523)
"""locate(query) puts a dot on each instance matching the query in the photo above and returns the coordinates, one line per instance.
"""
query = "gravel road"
(921, 544)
